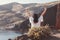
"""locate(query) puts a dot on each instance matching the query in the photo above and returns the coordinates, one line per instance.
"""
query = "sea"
(7, 34)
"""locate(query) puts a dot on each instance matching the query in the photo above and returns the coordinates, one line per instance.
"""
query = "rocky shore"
(35, 34)
(42, 33)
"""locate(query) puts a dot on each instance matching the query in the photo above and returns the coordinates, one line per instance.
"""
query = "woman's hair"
(35, 16)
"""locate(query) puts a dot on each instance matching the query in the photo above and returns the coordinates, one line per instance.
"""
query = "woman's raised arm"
(45, 9)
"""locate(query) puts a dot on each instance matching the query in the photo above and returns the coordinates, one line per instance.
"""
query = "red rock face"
(58, 17)
(50, 16)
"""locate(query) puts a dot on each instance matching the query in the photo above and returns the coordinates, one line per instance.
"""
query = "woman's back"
(35, 20)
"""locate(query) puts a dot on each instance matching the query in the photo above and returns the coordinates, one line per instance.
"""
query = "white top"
(38, 24)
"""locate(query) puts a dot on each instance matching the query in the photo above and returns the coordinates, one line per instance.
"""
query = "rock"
(35, 33)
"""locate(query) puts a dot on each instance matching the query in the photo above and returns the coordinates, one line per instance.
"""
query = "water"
(5, 35)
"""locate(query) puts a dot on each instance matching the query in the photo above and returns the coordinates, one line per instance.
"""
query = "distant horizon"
(2, 2)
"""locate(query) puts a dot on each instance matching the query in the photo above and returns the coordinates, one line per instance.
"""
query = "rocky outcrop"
(35, 33)
(39, 34)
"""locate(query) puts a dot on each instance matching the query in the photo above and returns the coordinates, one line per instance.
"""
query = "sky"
(25, 1)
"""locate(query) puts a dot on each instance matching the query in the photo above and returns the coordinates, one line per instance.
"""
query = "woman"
(34, 19)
